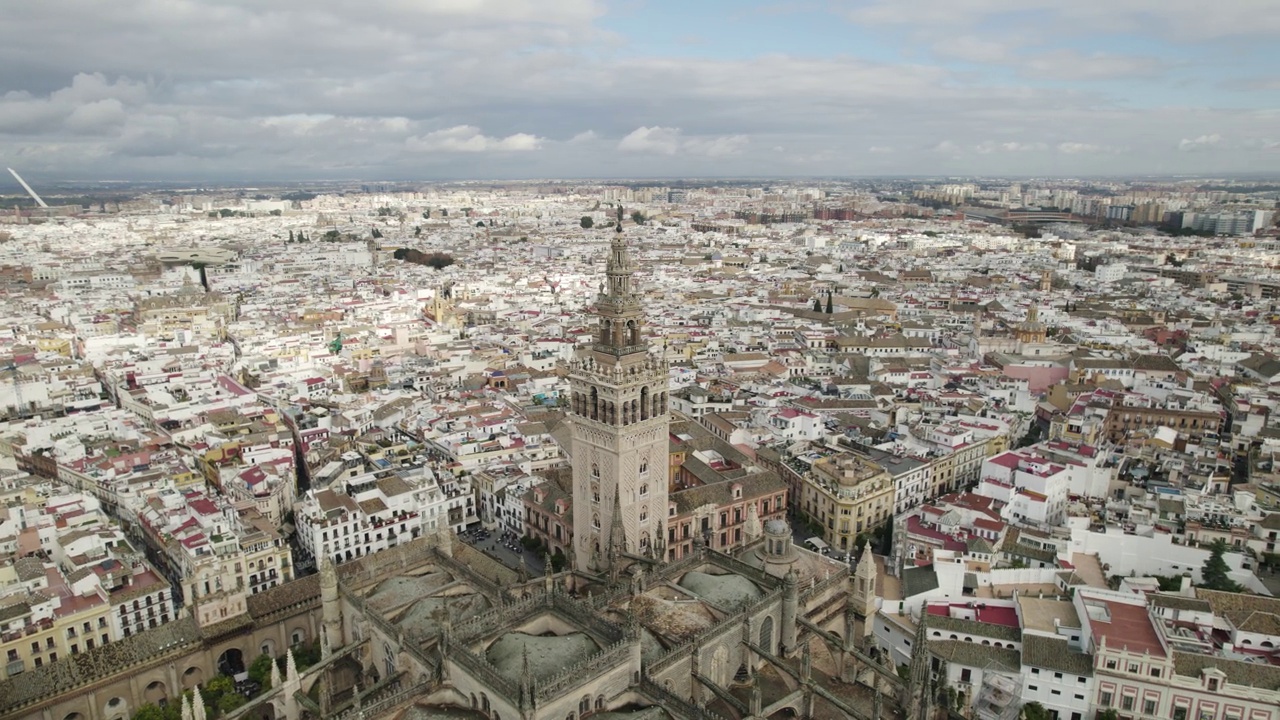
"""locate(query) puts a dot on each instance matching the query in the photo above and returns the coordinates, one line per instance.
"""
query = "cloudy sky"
(426, 89)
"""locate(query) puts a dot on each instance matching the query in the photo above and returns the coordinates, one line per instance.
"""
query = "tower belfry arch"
(620, 424)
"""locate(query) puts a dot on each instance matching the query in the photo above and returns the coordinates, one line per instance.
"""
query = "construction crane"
(27, 187)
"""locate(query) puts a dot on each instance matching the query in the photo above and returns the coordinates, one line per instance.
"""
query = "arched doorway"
(231, 662)
(156, 693)
(192, 677)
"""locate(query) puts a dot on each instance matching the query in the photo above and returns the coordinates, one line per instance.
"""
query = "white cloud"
(669, 141)
(584, 137)
(1079, 148)
(1199, 143)
(660, 140)
(467, 138)
(880, 149)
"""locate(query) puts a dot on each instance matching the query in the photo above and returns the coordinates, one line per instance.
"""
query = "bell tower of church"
(620, 424)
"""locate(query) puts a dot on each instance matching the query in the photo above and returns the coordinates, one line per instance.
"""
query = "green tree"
(1034, 711)
(637, 217)
(1214, 573)
(149, 711)
(830, 307)
(480, 223)
(1108, 714)
(230, 701)
(260, 670)
(586, 222)
(1033, 435)
(290, 236)
(558, 560)
(377, 234)
(438, 261)
(417, 230)
(224, 212)
(276, 213)
(817, 305)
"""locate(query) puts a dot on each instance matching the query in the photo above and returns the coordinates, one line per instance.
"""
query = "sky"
(244, 90)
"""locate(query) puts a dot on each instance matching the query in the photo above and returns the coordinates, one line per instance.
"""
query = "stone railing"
(497, 617)
(482, 583)
(730, 623)
(486, 673)
(735, 565)
(583, 671)
(674, 704)
(506, 615)
(836, 578)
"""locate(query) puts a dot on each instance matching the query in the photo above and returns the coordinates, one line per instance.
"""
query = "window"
(1104, 699)
(1057, 676)
(1055, 692)
(1155, 672)
(1127, 702)
(644, 489)
(966, 675)
(1111, 664)
(1213, 684)
(1133, 667)
(1033, 688)
(1149, 707)
(1035, 671)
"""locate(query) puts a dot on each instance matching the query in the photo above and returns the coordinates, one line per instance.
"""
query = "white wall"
(1156, 555)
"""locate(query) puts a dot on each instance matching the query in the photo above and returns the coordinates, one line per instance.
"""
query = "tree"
(290, 236)
(417, 230)
(817, 305)
(1108, 714)
(400, 253)
(558, 560)
(586, 222)
(438, 261)
(230, 701)
(260, 670)
(830, 307)
(377, 234)
(276, 213)
(637, 217)
(1034, 711)
(149, 711)
(1214, 573)
(1033, 435)
(480, 223)
(224, 212)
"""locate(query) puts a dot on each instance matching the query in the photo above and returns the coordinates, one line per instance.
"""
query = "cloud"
(1072, 65)
(290, 89)
(1199, 143)
(660, 140)
(465, 138)
(669, 141)
(1179, 19)
(1079, 148)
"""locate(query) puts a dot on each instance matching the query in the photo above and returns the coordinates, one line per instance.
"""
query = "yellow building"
(847, 495)
(37, 628)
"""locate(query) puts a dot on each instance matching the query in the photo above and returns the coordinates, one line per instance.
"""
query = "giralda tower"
(620, 426)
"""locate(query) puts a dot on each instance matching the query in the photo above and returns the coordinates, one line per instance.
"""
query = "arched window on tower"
(595, 493)
(595, 521)
(595, 470)
(644, 403)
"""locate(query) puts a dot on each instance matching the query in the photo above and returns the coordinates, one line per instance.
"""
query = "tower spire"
(620, 427)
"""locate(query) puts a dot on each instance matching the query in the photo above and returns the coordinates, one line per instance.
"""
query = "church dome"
(777, 526)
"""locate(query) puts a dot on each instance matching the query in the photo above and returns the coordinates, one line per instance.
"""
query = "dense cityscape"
(875, 448)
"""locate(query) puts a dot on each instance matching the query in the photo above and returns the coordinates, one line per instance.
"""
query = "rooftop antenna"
(27, 187)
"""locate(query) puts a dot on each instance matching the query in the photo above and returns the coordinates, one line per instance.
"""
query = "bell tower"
(620, 425)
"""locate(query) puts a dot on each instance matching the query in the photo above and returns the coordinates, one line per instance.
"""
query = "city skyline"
(576, 88)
